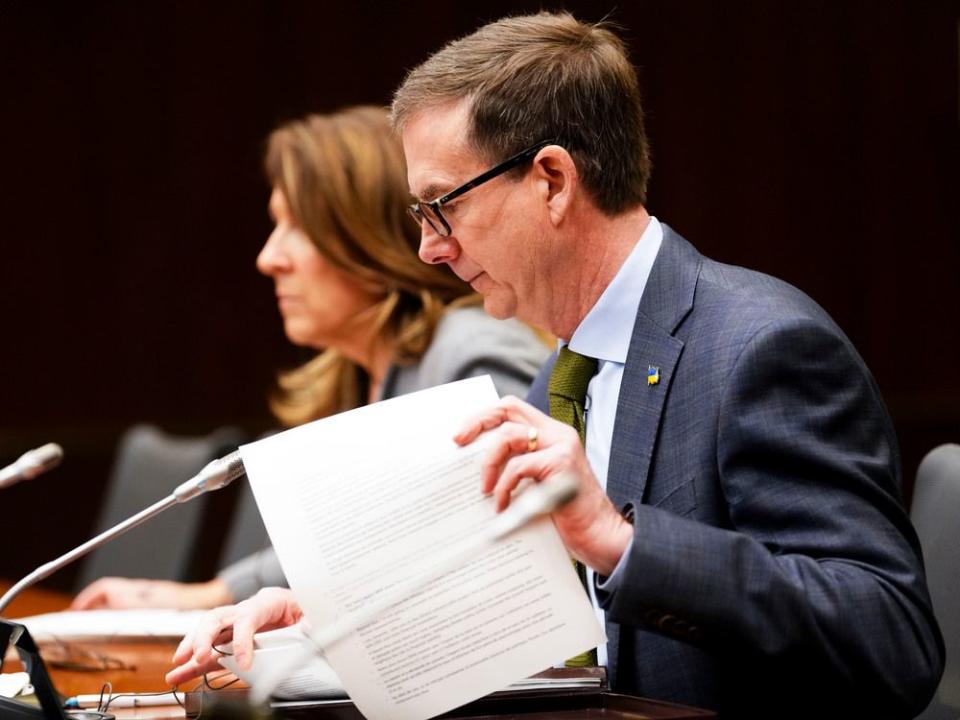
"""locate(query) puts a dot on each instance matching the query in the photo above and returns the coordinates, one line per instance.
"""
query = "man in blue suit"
(739, 500)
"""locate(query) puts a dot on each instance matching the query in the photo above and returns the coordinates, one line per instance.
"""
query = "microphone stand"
(217, 474)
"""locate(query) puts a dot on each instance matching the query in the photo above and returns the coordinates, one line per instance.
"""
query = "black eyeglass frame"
(419, 213)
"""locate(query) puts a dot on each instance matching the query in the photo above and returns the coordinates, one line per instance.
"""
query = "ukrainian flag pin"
(653, 375)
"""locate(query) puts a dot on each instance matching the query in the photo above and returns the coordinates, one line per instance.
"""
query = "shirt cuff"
(605, 587)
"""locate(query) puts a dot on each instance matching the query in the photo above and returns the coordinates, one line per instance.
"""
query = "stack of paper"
(316, 679)
(104, 625)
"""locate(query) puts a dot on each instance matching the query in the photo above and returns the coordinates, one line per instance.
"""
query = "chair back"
(936, 516)
(149, 464)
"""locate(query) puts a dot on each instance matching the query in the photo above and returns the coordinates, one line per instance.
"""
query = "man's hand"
(125, 593)
(590, 526)
(269, 609)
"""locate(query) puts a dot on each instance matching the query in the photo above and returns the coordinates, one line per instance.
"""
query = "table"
(134, 666)
(145, 664)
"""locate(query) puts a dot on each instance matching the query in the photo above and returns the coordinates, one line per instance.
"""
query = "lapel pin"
(653, 375)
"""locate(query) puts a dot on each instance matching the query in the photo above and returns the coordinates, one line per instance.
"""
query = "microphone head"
(231, 468)
(38, 461)
(215, 475)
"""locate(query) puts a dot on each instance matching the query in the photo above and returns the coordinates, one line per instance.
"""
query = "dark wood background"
(817, 140)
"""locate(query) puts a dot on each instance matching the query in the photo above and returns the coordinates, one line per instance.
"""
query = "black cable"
(207, 684)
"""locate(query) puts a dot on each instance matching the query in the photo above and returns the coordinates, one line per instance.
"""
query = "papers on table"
(359, 503)
(317, 680)
(314, 679)
(111, 624)
(14, 684)
(557, 683)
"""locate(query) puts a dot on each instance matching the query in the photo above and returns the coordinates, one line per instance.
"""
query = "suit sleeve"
(247, 576)
(819, 561)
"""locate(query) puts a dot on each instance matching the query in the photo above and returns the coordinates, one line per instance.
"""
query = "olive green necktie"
(567, 391)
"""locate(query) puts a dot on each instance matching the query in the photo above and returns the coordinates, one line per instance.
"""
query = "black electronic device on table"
(50, 704)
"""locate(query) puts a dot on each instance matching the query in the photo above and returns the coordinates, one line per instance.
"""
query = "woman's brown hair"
(344, 179)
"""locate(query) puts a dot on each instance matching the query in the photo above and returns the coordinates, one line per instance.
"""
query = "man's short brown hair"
(541, 77)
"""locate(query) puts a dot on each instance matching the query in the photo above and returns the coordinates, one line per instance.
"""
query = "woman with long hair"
(349, 283)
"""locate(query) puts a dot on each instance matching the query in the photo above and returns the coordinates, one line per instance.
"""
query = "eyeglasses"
(430, 210)
(63, 655)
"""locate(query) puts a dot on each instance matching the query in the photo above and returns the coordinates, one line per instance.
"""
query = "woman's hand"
(269, 609)
(124, 593)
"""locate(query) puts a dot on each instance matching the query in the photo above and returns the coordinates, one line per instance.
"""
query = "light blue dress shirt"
(605, 334)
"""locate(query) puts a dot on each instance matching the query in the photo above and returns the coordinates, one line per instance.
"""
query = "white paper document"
(313, 679)
(13, 684)
(111, 624)
(362, 502)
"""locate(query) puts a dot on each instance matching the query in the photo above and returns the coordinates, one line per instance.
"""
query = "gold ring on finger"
(532, 436)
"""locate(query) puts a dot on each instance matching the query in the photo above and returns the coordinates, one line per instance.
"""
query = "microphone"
(537, 500)
(215, 475)
(31, 463)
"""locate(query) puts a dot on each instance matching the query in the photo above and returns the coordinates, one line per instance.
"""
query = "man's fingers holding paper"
(213, 628)
(270, 608)
(190, 670)
(509, 408)
(193, 657)
(527, 443)
(512, 439)
(530, 444)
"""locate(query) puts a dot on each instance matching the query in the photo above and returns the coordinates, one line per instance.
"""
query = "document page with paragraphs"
(358, 504)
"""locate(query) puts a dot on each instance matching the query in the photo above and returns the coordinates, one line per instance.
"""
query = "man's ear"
(557, 180)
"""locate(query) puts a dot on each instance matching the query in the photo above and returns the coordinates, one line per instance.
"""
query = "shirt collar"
(606, 330)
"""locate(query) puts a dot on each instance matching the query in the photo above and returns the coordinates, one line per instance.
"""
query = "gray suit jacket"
(467, 343)
(772, 562)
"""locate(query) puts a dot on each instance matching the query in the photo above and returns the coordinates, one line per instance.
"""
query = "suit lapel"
(666, 301)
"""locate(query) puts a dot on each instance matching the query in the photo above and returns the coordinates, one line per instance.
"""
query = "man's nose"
(435, 249)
